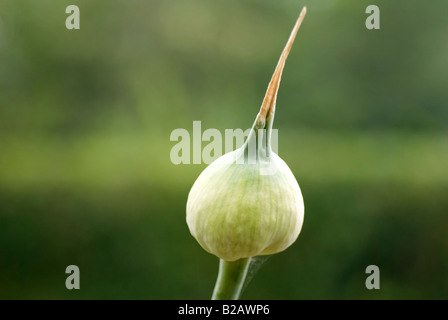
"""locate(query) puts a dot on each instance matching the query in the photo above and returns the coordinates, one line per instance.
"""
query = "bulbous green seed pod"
(235, 211)
(246, 204)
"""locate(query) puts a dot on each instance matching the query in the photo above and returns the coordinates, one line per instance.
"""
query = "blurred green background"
(85, 123)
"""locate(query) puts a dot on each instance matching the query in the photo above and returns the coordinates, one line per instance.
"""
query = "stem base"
(231, 277)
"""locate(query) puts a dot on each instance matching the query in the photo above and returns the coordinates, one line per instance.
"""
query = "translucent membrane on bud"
(241, 209)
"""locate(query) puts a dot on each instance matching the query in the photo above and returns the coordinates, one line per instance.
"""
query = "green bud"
(248, 202)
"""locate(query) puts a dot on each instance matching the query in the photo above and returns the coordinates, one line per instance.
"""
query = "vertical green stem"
(231, 277)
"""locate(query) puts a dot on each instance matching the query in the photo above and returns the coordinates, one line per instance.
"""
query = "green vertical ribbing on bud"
(231, 277)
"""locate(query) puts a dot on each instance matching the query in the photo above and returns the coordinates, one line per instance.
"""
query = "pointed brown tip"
(268, 105)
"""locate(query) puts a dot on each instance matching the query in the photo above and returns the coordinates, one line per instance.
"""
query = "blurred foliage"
(85, 123)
